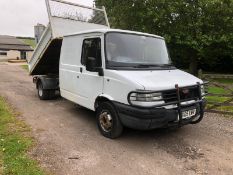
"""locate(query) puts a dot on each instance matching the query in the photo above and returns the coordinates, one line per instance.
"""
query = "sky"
(18, 17)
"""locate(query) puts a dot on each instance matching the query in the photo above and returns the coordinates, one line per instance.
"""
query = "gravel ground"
(69, 142)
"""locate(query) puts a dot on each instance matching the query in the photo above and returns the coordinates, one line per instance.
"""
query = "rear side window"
(92, 48)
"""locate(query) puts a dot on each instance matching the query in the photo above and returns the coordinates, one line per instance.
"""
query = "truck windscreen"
(137, 51)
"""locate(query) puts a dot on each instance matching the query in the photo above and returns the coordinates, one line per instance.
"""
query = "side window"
(92, 48)
(3, 53)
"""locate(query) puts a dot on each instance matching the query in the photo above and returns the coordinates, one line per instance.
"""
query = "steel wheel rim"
(40, 91)
(105, 121)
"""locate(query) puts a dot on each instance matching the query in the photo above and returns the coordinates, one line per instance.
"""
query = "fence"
(214, 107)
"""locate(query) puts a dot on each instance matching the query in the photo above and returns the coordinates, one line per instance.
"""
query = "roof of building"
(13, 43)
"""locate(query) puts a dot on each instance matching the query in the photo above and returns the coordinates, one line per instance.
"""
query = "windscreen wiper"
(159, 65)
(145, 65)
(166, 65)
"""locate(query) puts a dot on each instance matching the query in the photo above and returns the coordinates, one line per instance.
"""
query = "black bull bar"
(196, 101)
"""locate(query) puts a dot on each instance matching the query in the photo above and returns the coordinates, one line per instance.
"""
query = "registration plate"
(188, 114)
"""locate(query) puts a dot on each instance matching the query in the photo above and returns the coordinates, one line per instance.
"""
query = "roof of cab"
(112, 30)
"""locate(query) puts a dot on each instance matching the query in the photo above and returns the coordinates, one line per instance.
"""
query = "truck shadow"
(90, 117)
(171, 140)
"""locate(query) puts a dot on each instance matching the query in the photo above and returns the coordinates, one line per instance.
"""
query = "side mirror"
(100, 71)
(91, 64)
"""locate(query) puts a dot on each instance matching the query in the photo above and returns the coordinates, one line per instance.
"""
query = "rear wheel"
(44, 94)
(108, 121)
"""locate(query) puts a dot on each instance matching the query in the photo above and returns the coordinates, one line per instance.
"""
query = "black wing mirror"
(91, 64)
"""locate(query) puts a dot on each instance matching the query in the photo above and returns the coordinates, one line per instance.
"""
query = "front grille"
(170, 96)
(186, 94)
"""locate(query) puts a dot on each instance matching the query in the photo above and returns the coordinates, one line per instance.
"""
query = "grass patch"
(217, 99)
(217, 90)
(25, 67)
(225, 108)
(224, 80)
(30, 42)
(208, 105)
(213, 100)
(14, 144)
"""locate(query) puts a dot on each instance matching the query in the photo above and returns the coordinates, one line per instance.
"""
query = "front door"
(90, 84)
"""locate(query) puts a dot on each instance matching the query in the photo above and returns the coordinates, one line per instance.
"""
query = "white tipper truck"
(126, 77)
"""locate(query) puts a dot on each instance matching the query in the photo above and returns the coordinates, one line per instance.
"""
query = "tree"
(192, 28)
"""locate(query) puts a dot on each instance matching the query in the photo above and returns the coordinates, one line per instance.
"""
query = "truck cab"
(129, 80)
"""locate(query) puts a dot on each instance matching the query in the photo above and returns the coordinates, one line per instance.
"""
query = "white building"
(13, 48)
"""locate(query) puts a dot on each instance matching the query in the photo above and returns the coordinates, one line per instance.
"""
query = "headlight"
(146, 98)
(203, 91)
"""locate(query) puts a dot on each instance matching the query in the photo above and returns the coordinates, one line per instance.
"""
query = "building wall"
(29, 55)
(15, 54)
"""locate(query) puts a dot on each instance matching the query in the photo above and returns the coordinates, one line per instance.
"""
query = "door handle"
(81, 69)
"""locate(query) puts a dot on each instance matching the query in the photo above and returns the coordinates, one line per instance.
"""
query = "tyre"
(108, 121)
(197, 119)
(42, 93)
(52, 94)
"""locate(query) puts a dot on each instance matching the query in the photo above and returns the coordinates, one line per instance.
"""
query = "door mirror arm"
(100, 70)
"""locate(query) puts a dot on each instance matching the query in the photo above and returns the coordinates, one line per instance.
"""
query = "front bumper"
(147, 119)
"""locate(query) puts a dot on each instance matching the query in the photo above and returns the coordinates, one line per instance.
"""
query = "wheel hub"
(40, 91)
(106, 121)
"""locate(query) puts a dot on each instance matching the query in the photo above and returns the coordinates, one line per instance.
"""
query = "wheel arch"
(102, 98)
(38, 80)
(49, 83)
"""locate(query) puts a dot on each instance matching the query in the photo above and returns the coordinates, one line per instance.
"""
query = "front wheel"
(108, 121)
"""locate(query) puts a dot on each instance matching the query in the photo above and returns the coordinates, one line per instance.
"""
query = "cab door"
(90, 84)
